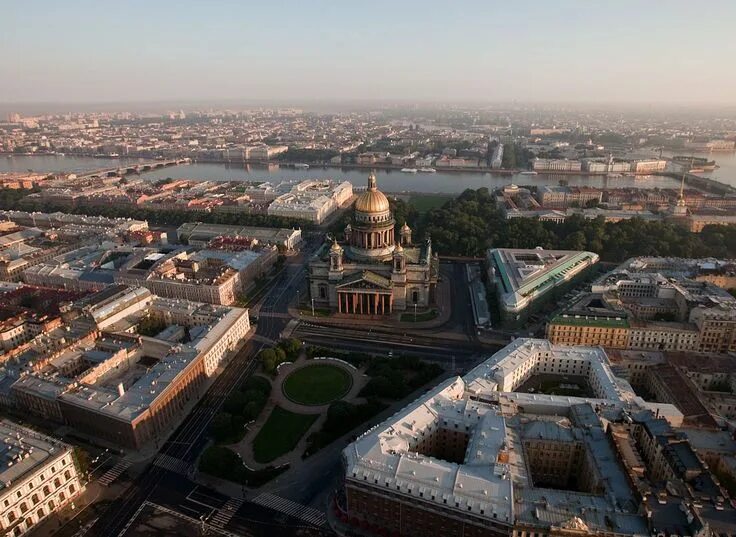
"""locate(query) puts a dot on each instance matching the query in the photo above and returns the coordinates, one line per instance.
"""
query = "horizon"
(413, 52)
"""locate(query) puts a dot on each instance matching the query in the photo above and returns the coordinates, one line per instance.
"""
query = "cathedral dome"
(372, 200)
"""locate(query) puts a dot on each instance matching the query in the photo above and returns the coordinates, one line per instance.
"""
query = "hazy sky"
(647, 51)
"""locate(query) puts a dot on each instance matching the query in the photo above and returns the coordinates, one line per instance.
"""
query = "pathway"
(277, 398)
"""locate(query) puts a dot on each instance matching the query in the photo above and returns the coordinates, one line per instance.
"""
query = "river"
(388, 180)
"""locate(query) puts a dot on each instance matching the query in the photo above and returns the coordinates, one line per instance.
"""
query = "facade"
(370, 273)
(562, 197)
(648, 166)
(556, 165)
(38, 476)
(472, 457)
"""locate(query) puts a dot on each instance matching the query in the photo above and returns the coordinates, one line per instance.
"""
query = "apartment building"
(39, 476)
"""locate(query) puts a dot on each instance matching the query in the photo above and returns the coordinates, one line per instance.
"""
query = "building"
(215, 276)
(522, 278)
(370, 273)
(556, 165)
(200, 234)
(562, 197)
(263, 152)
(477, 455)
(38, 476)
(648, 166)
(651, 304)
(312, 200)
(125, 366)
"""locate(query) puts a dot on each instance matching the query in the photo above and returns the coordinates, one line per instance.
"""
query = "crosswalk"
(288, 507)
(226, 513)
(109, 477)
(172, 464)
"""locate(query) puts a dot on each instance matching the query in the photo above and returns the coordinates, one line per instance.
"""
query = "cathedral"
(371, 272)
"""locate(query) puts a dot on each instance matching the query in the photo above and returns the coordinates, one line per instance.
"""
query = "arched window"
(40, 513)
(34, 499)
(11, 517)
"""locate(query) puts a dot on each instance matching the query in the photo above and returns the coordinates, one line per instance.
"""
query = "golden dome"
(372, 200)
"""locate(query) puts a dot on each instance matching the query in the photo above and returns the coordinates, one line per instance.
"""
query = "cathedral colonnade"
(365, 302)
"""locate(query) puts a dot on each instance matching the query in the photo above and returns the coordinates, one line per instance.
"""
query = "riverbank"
(389, 179)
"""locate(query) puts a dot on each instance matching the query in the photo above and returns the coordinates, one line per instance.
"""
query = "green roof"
(590, 321)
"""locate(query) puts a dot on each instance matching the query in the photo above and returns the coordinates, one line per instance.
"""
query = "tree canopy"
(471, 223)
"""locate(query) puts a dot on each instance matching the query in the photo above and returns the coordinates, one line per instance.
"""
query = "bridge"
(133, 168)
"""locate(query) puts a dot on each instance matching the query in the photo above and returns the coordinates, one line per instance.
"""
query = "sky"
(622, 51)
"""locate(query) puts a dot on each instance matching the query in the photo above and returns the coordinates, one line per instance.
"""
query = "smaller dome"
(398, 248)
(405, 227)
(335, 247)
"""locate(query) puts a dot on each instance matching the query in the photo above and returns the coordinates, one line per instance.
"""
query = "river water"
(388, 180)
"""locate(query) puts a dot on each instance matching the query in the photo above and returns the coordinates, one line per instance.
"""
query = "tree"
(291, 347)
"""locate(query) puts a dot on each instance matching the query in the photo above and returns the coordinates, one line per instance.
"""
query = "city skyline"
(417, 52)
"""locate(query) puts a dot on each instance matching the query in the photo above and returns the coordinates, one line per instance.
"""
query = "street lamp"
(415, 312)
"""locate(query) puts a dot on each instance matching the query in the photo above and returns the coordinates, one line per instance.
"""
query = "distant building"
(39, 477)
(312, 200)
(263, 152)
(562, 197)
(556, 165)
(648, 166)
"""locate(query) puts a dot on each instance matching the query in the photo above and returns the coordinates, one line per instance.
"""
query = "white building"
(37, 477)
(312, 200)
(556, 165)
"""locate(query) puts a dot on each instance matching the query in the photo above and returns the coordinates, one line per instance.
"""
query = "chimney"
(121, 389)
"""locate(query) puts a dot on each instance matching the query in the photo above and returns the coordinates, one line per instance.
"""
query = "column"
(391, 303)
(375, 304)
(355, 302)
(339, 302)
(383, 304)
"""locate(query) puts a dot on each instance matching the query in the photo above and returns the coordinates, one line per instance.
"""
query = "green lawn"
(280, 434)
(317, 384)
